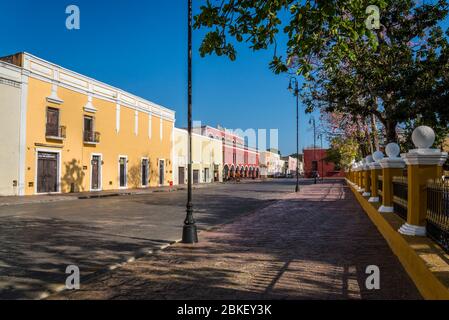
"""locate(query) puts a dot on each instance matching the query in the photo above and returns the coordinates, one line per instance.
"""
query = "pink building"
(237, 158)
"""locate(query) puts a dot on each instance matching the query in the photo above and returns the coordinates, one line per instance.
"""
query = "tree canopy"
(398, 71)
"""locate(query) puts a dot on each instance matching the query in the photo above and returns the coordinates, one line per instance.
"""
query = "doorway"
(196, 176)
(95, 184)
(161, 172)
(144, 174)
(206, 175)
(181, 175)
(122, 171)
(47, 172)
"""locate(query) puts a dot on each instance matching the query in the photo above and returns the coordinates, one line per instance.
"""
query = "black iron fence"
(400, 196)
(380, 188)
(438, 212)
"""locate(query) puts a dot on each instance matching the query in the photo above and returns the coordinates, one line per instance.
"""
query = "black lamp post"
(189, 231)
(295, 90)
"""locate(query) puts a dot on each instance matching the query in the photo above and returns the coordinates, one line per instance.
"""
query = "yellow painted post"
(366, 181)
(376, 170)
(422, 164)
(392, 166)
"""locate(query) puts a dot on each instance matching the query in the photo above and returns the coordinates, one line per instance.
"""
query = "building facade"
(238, 159)
(78, 134)
(290, 166)
(11, 111)
(314, 161)
(271, 164)
(207, 158)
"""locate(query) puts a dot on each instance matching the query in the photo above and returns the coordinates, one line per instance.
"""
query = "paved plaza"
(314, 245)
(40, 238)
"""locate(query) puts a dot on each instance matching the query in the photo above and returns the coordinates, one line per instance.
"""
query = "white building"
(271, 164)
(12, 110)
(207, 158)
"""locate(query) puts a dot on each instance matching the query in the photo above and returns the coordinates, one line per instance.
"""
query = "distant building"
(314, 161)
(290, 165)
(270, 164)
(238, 159)
(207, 158)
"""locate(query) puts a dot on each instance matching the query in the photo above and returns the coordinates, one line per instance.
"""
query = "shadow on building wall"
(73, 178)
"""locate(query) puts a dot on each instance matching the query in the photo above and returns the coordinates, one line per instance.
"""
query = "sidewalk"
(315, 245)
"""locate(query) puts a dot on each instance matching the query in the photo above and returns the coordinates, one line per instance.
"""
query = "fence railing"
(380, 188)
(438, 212)
(400, 196)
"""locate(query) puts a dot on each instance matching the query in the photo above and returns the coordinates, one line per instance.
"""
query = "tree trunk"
(374, 132)
(390, 130)
(368, 136)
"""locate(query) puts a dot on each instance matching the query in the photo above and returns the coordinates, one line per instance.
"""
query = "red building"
(237, 158)
(314, 162)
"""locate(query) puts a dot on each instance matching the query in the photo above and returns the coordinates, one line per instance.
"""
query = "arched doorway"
(232, 172)
(251, 172)
(246, 172)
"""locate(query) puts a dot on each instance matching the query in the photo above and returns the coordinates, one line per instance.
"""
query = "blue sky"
(140, 46)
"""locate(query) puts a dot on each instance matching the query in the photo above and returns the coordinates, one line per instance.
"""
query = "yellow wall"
(76, 155)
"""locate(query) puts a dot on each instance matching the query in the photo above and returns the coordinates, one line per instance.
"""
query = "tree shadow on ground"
(294, 249)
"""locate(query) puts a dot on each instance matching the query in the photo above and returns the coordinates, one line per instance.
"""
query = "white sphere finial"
(423, 137)
(378, 155)
(392, 150)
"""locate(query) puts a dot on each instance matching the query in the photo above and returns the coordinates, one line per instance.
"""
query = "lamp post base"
(189, 234)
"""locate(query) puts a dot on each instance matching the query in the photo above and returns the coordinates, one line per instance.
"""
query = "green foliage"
(400, 72)
(343, 152)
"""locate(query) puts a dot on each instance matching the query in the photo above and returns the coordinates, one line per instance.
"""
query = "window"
(52, 126)
(90, 136)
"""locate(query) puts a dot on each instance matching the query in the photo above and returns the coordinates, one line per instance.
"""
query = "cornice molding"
(57, 75)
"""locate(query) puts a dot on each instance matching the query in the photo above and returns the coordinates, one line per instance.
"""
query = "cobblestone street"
(315, 245)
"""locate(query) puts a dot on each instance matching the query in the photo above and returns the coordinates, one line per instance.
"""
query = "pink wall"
(325, 169)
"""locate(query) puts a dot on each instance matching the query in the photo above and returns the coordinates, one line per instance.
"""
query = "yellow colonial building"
(207, 158)
(78, 134)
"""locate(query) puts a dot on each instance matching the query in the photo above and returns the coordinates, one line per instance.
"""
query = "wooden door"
(196, 176)
(144, 172)
(181, 175)
(47, 172)
(122, 172)
(52, 122)
(161, 172)
(96, 163)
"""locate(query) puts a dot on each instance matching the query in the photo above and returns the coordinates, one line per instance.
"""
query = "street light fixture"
(189, 231)
(294, 83)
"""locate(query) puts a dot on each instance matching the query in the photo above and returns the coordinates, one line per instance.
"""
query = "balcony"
(55, 132)
(91, 137)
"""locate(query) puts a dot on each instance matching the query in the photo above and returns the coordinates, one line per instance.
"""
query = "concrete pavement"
(315, 245)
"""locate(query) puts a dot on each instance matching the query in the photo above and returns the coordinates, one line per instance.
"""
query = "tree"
(398, 72)
(343, 151)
